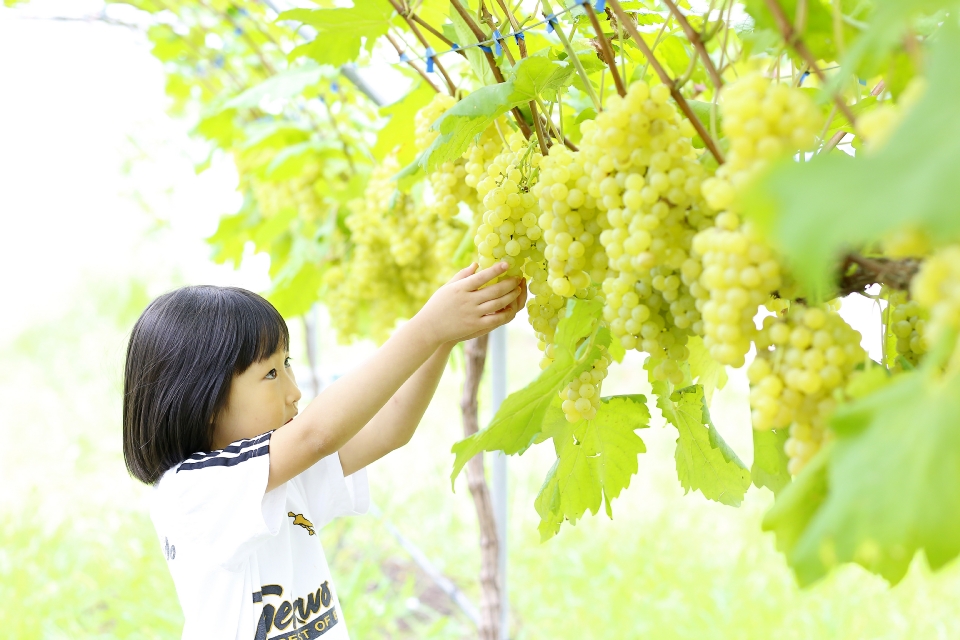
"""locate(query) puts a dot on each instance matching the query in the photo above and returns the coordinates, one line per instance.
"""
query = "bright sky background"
(83, 137)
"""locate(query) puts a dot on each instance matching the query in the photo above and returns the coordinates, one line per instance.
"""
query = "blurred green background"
(102, 210)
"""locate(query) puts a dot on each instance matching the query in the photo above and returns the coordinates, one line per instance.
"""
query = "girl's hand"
(509, 312)
(461, 309)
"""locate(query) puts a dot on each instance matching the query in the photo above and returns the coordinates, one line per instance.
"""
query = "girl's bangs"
(261, 330)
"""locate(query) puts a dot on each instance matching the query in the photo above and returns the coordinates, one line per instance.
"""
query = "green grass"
(79, 558)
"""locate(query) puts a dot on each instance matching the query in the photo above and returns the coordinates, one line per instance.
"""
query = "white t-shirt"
(248, 564)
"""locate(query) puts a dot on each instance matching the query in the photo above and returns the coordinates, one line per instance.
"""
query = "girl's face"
(262, 398)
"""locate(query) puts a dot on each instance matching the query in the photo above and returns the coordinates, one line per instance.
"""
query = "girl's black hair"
(182, 356)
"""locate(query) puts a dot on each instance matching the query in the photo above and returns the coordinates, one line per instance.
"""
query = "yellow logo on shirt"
(300, 521)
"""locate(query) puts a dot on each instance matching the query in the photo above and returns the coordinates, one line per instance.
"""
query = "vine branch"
(793, 39)
(423, 74)
(666, 79)
(497, 74)
(423, 41)
(605, 49)
(858, 272)
(697, 43)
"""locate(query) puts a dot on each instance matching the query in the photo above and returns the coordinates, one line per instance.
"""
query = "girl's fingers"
(464, 273)
(494, 291)
(481, 278)
(492, 306)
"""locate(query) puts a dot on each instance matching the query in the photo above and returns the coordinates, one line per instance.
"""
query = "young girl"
(241, 481)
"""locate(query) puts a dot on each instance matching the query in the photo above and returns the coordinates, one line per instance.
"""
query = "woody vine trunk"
(475, 355)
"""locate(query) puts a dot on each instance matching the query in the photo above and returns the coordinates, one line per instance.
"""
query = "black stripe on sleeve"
(219, 461)
(235, 447)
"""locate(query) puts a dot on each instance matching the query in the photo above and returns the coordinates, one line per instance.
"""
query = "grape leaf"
(892, 476)
(467, 119)
(521, 416)
(397, 131)
(704, 370)
(816, 210)
(595, 461)
(704, 461)
(818, 33)
(460, 32)
(769, 460)
(283, 86)
(340, 32)
(798, 503)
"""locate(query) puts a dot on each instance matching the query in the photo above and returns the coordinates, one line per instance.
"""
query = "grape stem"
(605, 49)
(572, 55)
(792, 38)
(542, 138)
(666, 79)
(697, 43)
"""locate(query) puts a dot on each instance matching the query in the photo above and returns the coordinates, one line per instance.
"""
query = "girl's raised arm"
(458, 310)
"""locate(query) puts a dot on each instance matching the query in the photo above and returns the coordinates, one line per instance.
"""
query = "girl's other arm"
(395, 423)
(459, 309)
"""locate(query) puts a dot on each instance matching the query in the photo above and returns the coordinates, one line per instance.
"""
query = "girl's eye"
(271, 374)
(286, 362)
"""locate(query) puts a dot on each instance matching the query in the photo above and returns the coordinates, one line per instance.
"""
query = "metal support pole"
(498, 362)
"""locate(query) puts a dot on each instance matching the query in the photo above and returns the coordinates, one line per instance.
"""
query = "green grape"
(571, 224)
(394, 261)
(906, 323)
(544, 310)
(508, 230)
(641, 169)
(937, 287)
(804, 360)
(581, 397)
(448, 185)
(763, 121)
(739, 273)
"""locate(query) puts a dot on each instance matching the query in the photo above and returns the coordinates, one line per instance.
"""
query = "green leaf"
(538, 76)
(706, 371)
(595, 461)
(769, 460)
(817, 210)
(460, 32)
(818, 33)
(798, 502)
(294, 296)
(704, 461)
(520, 418)
(892, 477)
(465, 121)
(471, 116)
(398, 131)
(340, 32)
(283, 86)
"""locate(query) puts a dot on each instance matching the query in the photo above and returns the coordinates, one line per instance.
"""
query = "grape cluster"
(763, 121)
(544, 310)
(448, 180)
(571, 224)
(877, 125)
(739, 272)
(508, 230)
(803, 359)
(394, 260)
(937, 287)
(641, 168)
(905, 329)
(581, 398)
